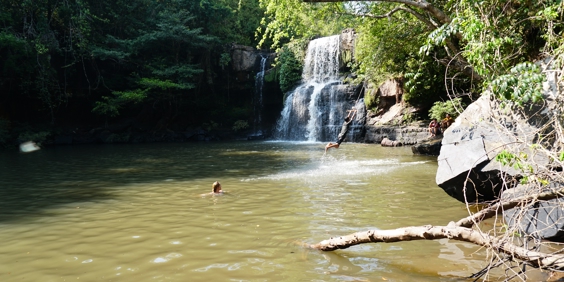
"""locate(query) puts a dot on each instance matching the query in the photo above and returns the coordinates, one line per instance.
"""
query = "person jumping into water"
(344, 131)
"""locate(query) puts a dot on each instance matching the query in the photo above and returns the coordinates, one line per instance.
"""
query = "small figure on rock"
(434, 128)
(446, 122)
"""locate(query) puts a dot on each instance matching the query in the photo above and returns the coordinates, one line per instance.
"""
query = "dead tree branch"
(429, 232)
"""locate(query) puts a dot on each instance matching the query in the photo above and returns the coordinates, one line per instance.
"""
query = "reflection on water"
(135, 213)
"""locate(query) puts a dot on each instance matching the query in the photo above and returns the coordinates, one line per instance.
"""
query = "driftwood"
(461, 231)
(428, 232)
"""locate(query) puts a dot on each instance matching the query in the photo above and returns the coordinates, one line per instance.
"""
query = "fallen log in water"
(429, 232)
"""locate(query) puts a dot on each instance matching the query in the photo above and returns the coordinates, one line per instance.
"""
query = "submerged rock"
(390, 143)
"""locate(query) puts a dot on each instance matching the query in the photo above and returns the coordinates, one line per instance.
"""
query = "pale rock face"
(347, 39)
(243, 58)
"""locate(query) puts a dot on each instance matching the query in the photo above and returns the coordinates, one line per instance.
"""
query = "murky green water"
(135, 213)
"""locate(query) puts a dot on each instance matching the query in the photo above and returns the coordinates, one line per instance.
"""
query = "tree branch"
(419, 16)
(429, 232)
(421, 4)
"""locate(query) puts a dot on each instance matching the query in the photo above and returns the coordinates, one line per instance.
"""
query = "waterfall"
(315, 110)
(258, 105)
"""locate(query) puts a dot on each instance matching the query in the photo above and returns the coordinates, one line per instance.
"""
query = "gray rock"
(347, 39)
(467, 168)
(390, 143)
(244, 58)
(407, 135)
(430, 147)
(544, 220)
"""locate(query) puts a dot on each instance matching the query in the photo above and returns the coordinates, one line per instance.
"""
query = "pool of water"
(136, 213)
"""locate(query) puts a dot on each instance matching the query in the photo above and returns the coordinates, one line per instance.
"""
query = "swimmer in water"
(216, 188)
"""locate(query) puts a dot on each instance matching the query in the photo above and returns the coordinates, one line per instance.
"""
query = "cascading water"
(258, 105)
(315, 110)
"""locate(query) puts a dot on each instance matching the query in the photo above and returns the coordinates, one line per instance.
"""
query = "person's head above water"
(216, 187)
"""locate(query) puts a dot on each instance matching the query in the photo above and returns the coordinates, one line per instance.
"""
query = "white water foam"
(329, 169)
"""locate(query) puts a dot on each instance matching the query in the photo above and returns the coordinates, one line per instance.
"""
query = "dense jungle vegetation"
(86, 63)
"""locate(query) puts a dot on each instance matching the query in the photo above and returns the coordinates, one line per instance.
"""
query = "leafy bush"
(38, 137)
(240, 125)
(210, 125)
(451, 107)
(371, 100)
(290, 64)
(522, 85)
(110, 106)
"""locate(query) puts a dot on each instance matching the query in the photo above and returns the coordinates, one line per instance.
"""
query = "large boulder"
(390, 143)
(543, 219)
(467, 168)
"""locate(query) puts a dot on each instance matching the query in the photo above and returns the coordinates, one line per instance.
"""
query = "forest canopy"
(444, 49)
(91, 62)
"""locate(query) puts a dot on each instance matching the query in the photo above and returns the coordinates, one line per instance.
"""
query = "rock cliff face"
(244, 58)
(246, 63)
(406, 135)
(380, 126)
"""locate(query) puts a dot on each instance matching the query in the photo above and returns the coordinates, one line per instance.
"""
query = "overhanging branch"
(419, 16)
(421, 4)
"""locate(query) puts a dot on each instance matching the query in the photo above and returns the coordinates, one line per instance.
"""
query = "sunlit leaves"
(439, 36)
(451, 107)
(517, 162)
(290, 64)
(522, 85)
(111, 105)
(286, 20)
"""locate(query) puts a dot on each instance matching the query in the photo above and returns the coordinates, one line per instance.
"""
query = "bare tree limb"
(421, 4)
(429, 232)
(430, 25)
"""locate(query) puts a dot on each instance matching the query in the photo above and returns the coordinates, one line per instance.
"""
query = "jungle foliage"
(444, 49)
(82, 61)
(91, 61)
